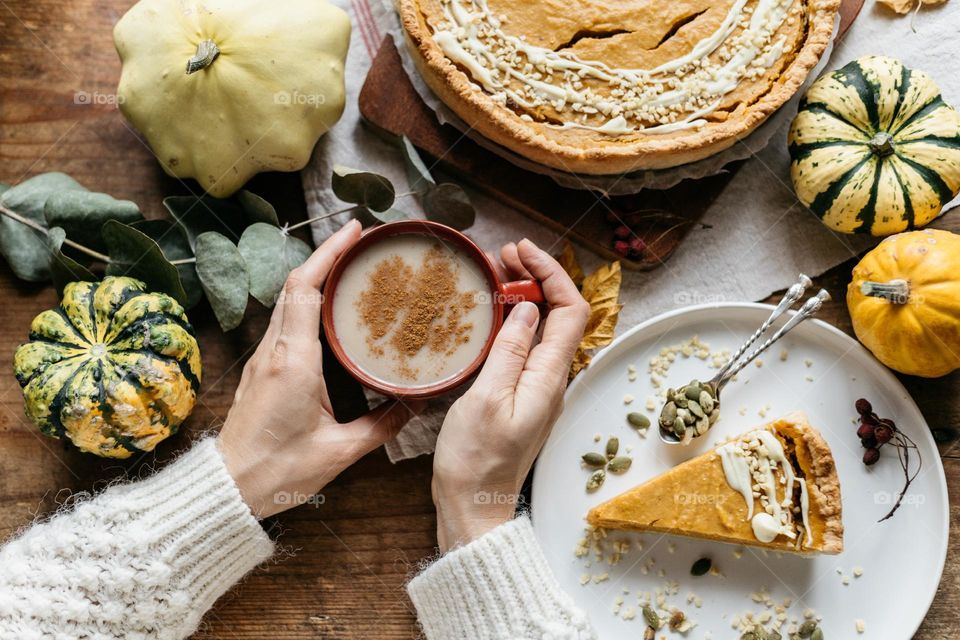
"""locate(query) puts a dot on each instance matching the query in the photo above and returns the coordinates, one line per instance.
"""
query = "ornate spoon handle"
(790, 298)
(809, 309)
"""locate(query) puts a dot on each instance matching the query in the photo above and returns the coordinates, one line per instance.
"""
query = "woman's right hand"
(493, 433)
(281, 442)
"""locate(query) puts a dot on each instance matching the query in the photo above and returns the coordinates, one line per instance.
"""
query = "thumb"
(375, 427)
(510, 349)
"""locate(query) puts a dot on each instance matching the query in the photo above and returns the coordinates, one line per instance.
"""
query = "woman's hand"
(280, 441)
(493, 433)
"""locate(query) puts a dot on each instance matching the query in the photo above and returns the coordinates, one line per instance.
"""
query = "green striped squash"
(114, 368)
(875, 149)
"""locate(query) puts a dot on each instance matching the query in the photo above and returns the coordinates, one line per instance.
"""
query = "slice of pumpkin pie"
(774, 487)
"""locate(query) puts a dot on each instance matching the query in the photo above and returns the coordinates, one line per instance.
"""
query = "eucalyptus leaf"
(64, 269)
(418, 175)
(4, 187)
(197, 215)
(25, 248)
(362, 187)
(135, 254)
(81, 214)
(256, 208)
(270, 254)
(28, 197)
(223, 274)
(449, 204)
(173, 243)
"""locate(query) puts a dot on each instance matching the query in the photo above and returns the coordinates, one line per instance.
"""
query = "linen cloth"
(760, 236)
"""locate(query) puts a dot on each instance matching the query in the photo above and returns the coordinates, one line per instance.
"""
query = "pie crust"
(712, 509)
(624, 38)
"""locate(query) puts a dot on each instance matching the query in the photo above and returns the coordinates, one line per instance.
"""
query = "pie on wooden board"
(611, 86)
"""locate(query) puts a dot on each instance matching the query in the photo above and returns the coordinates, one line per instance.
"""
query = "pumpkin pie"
(612, 86)
(774, 487)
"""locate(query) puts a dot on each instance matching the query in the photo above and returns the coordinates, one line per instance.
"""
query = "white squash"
(224, 89)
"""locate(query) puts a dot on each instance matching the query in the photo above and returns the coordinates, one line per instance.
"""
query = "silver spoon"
(701, 400)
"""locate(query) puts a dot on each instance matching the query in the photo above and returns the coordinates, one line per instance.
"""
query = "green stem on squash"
(207, 52)
(96, 255)
(881, 144)
(894, 291)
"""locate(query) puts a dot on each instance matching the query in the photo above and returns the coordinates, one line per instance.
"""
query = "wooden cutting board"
(391, 106)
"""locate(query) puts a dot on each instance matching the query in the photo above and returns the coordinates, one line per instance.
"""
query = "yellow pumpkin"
(224, 89)
(904, 301)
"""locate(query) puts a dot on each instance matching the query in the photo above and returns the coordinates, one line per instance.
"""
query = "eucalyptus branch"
(36, 226)
(324, 216)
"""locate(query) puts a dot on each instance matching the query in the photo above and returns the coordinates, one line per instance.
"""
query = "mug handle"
(518, 291)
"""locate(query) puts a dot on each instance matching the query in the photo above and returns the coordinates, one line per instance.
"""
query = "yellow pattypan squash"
(224, 89)
(904, 301)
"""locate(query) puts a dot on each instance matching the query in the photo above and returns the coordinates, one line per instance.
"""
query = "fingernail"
(353, 223)
(525, 312)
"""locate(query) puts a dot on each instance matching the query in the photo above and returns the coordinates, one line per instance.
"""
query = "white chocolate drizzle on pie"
(755, 466)
(675, 95)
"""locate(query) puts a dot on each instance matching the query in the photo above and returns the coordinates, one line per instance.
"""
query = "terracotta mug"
(503, 295)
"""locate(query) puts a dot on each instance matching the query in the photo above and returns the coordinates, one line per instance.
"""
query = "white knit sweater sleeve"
(143, 560)
(498, 587)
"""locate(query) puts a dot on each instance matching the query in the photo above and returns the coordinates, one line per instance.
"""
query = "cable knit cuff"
(192, 513)
(498, 587)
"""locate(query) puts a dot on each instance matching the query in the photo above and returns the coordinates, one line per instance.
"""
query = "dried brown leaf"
(904, 7)
(568, 260)
(602, 290)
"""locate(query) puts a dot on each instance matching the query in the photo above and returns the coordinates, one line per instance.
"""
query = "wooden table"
(355, 552)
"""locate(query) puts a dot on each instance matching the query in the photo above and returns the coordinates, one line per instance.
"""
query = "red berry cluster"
(625, 242)
(874, 431)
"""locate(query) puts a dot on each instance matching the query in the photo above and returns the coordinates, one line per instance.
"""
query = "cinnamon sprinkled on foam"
(409, 308)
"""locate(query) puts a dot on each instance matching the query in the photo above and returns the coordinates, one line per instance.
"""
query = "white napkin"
(760, 238)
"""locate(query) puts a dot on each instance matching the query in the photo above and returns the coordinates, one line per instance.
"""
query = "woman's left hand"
(280, 441)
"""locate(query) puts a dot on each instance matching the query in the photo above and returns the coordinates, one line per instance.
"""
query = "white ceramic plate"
(901, 559)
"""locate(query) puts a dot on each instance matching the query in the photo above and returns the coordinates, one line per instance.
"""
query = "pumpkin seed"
(594, 459)
(701, 567)
(702, 426)
(774, 635)
(649, 633)
(807, 628)
(817, 634)
(714, 416)
(760, 633)
(669, 414)
(595, 481)
(613, 445)
(620, 464)
(651, 616)
(692, 391)
(679, 427)
(706, 401)
(694, 407)
(638, 420)
(749, 635)
(681, 401)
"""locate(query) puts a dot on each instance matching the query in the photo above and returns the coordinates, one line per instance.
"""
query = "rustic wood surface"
(356, 550)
